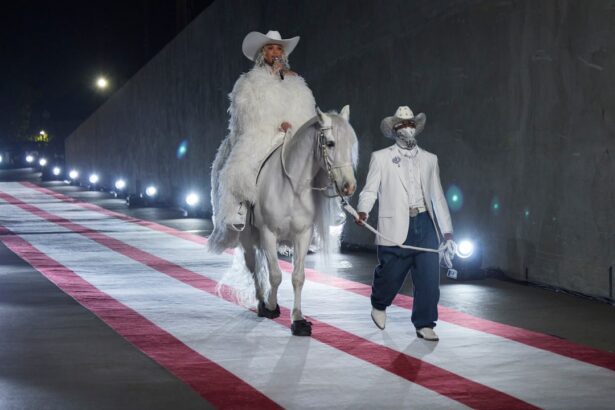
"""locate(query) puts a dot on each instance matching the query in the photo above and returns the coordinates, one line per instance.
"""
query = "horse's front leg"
(300, 326)
(248, 239)
(269, 246)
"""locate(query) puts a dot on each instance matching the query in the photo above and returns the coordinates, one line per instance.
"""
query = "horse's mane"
(328, 209)
(305, 125)
(293, 139)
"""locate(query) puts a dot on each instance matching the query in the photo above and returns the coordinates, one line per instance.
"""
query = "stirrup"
(238, 222)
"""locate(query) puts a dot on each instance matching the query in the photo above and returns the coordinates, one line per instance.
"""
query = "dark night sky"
(52, 51)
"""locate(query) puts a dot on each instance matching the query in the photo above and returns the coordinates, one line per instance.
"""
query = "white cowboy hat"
(403, 113)
(254, 41)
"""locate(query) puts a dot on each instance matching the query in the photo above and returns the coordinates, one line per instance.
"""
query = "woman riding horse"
(266, 103)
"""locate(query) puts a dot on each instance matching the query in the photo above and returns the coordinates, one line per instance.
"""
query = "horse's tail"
(261, 272)
(221, 239)
(222, 154)
(238, 282)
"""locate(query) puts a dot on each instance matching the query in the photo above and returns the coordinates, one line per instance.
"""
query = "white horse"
(289, 205)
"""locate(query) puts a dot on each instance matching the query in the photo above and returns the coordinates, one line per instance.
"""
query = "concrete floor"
(55, 354)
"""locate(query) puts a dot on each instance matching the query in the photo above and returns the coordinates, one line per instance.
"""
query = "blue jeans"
(394, 265)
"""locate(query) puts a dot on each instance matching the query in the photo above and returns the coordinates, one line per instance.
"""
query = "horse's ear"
(323, 119)
(345, 113)
(321, 116)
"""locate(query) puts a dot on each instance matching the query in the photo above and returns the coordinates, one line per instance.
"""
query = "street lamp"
(102, 83)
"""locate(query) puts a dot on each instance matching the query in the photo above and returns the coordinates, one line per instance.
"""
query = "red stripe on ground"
(211, 381)
(534, 339)
(530, 338)
(442, 381)
(92, 207)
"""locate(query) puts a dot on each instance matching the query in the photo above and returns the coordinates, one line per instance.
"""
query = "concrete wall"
(517, 94)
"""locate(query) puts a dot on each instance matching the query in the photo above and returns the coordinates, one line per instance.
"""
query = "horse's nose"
(349, 189)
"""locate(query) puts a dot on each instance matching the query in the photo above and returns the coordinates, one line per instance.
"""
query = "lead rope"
(446, 260)
(346, 206)
(442, 250)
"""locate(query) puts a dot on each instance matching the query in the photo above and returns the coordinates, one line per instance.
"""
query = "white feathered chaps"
(288, 208)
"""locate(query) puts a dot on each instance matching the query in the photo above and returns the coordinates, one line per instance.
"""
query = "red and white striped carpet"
(155, 286)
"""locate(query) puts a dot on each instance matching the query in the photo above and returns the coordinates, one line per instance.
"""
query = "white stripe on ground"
(533, 375)
(295, 372)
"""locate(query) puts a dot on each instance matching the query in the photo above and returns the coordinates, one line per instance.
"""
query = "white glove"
(447, 251)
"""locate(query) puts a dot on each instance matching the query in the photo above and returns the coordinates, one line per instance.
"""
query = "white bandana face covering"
(405, 138)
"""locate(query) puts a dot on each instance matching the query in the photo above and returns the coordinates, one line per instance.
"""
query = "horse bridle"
(329, 165)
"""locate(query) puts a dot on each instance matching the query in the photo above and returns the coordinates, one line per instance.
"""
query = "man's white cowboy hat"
(254, 41)
(403, 113)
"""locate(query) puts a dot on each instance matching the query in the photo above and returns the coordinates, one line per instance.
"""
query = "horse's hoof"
(301, 328)
(269, 314)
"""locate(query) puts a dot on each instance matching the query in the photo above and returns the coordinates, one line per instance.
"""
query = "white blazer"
(387, 183)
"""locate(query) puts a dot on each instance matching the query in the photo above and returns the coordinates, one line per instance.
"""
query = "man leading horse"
(405, 179)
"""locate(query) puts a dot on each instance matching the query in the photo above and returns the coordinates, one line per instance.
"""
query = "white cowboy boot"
(237, 222)
(379, 317)
(427, 333)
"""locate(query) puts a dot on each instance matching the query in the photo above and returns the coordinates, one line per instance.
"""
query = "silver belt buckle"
(414, 212)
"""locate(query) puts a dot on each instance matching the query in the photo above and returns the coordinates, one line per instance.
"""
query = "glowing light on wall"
(454, 197)
(495, 205)
(182, 149)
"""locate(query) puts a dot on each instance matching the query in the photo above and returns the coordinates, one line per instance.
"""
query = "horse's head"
(338, 149)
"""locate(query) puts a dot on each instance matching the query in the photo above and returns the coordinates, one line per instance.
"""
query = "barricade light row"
(190, 202)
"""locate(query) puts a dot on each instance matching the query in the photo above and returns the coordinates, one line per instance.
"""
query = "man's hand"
(447, 251)
(361, 219)
(285, 126)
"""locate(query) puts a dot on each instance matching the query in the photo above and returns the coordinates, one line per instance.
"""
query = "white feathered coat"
(260, 102)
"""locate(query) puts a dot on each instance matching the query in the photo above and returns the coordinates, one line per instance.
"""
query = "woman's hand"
(277, 65)
(362, 218)
(285, 126)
